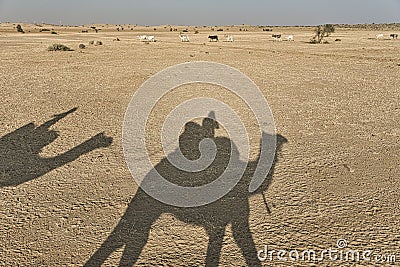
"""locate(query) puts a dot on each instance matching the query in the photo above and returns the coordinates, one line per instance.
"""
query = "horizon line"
(181, 25)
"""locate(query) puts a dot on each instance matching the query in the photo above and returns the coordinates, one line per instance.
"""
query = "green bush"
(322, 31)
(19, 28)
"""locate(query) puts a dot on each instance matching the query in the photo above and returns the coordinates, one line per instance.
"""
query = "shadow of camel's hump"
(134, 227)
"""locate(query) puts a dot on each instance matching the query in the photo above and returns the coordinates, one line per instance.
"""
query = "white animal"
(229, 38)
(379, 36)
(184, 38)
(290, 38)
(143, 38)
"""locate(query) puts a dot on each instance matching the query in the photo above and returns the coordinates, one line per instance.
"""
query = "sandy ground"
(337, 177)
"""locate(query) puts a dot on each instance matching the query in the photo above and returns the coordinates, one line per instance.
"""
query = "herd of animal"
(211, 38)
(392, 36)
(185, 38)
(229, 38)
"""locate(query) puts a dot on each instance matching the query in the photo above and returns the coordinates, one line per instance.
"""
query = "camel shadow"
(133, 229)
(20, 161)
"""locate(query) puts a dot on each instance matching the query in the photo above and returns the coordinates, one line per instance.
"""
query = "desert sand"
(337, 176)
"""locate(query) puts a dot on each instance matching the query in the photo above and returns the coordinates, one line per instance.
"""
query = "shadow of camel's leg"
(112, 243)
(243, 238)
(132, 231)
(216, 237)
(137, 238)
(132, 251)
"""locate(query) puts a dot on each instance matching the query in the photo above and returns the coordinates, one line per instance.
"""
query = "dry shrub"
(59, 47)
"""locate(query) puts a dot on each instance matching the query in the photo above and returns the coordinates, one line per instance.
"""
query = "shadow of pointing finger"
(19, 151)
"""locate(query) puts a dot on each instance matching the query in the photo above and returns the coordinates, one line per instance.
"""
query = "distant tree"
(19, 28)
(321, 32)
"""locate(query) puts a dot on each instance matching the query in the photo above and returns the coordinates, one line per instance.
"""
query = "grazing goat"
(143, 38)
(290, 38)
(277, 37)
(394, 36)
(229, 38)
(184, 38)
(213, 38)
(379, 36)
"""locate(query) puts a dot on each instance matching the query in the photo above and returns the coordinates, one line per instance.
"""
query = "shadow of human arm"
(98, 141)
(19, 151)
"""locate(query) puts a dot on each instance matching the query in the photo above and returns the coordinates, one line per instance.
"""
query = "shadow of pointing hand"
(98, 141)
(19, 151)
